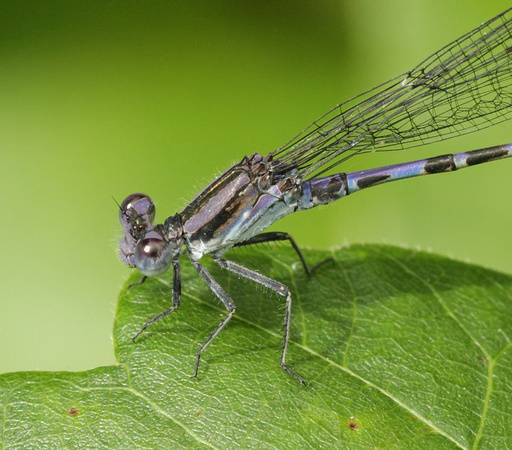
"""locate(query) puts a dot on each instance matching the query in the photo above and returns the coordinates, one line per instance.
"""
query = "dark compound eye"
(136, 215)
(137, 207)
(153, 256)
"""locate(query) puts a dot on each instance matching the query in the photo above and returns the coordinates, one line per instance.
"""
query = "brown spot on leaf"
(352, 425)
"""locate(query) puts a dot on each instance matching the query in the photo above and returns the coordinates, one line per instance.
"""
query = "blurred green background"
(102, 99)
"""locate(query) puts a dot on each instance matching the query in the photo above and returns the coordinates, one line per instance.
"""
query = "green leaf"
(400, 348)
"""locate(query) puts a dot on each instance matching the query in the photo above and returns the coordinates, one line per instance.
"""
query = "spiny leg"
(176, 297)
(280, 236)
(277, 287)
(226, 300)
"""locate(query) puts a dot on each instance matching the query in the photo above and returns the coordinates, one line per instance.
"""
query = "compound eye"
(137, 207)
(152, 256)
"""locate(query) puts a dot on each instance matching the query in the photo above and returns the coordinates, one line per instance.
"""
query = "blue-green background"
(102, 99)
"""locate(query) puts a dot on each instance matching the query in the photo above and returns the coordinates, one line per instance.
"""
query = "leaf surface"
(400, 348)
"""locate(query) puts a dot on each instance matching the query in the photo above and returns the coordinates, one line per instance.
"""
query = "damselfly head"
(150, 248)
(136, 215)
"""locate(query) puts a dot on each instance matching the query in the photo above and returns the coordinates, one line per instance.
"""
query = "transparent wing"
(464, 87)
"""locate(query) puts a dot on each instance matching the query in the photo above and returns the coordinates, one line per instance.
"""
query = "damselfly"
(464, 87)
